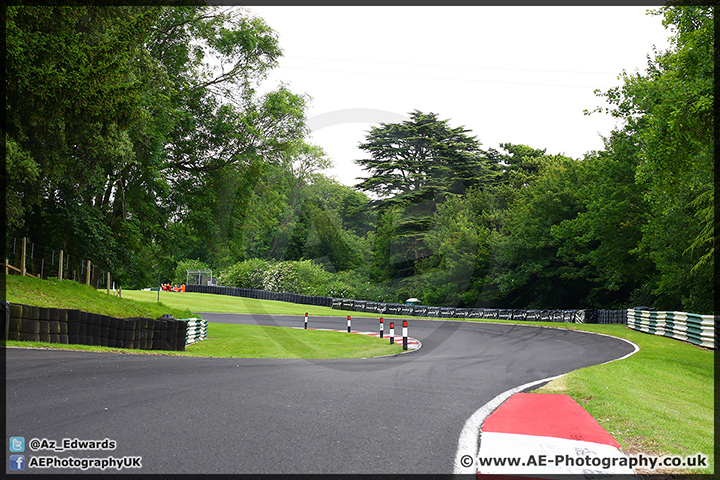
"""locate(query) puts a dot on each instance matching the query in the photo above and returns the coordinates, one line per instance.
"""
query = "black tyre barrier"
(15, 324)
(82, 333)
(262, 294)
(54, 326)
(13, 335)
(43, 314)
(45, 337)
(44, 327)
(16, 310)
(159, 334)
(29, 337)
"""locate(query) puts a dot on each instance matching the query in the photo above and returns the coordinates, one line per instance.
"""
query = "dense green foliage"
(136, 137)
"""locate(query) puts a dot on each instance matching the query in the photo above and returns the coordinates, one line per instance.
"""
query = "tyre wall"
(53, 325)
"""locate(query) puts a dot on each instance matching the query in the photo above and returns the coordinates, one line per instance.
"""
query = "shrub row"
(39, 324)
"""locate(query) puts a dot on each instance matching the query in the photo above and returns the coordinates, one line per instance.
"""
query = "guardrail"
(689, 327)
(566, 316)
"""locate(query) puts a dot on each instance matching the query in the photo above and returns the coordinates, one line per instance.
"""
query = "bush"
(247, 274)
(302, 277)
(182, 267)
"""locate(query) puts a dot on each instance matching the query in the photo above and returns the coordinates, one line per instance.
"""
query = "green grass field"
(224, 340)
(257, 341)
(659, 401)
(208, 302)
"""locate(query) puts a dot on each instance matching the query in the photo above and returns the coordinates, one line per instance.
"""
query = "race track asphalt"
(389, 415)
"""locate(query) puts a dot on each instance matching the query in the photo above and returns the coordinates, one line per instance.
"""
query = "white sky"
(519, 75)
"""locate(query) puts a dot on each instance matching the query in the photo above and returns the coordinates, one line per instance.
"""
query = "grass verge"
(224, 340)
(208, 302)
(255, 341)
(70, 294)
(659, 401)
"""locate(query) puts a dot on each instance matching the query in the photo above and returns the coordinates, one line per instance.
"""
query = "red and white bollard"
(348, 323)
(392, 333)
(306, 315)
(381, 327)
(404, 334)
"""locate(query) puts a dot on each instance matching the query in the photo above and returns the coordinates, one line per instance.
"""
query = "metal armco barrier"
(195, 330)
(690, 327)
(565, 316)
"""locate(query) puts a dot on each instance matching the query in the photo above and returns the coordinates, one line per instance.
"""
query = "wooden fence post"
(108, 283)
(24, 251)
(87, 274)
(60, 267)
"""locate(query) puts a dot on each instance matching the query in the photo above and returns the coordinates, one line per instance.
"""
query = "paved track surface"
(397, 414)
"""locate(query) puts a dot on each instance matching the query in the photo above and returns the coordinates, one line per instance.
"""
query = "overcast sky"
(518, 75)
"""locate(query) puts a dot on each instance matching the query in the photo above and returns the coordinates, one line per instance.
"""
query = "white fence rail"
(689, 327)
(196, 330)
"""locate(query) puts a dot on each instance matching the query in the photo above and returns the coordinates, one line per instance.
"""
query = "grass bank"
(224, 340)
(256, 341)
(70, 294)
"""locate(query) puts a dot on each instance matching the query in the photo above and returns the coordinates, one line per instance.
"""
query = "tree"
(605, 234)
(416, 165)
(128, 126)
(668, 110)
(530, 271)
(420, 154)
(76, 77)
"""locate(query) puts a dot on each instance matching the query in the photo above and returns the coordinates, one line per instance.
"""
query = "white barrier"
(195, 331)
(690, 327)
